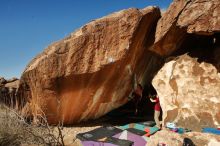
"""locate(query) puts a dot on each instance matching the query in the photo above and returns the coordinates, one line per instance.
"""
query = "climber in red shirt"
(156, 109)
(137, 95)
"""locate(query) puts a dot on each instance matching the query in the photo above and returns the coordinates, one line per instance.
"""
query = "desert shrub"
(14, 131)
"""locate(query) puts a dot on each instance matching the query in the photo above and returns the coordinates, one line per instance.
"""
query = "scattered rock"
(174, 139)
(166, 137)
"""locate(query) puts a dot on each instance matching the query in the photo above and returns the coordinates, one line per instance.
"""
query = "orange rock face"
(188, 90)
(186, 17)
(89, 73)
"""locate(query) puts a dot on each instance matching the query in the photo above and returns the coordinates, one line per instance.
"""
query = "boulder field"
(91, 72)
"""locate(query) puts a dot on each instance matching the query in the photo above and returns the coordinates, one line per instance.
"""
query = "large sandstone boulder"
(187, 23)
(189, 93)
(89, 73)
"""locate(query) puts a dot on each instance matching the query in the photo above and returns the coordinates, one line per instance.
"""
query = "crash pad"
(211, 130)
(108, 141)
(137, 139)
(136, 131)
(99, 133)
(149, 130)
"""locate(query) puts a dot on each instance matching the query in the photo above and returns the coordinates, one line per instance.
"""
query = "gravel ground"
(16, 126)
(71, 132)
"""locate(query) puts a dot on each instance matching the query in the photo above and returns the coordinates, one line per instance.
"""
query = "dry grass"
(15, 131)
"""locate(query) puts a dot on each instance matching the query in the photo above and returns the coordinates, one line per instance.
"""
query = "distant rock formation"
(189, 93)
(90, 73)
(8, 89)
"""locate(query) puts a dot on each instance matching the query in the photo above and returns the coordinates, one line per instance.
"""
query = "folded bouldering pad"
(134, 125)
(147, 129)
(99, 133)
(108, 141)
(151, 130)
(137, 139)
(136, 131)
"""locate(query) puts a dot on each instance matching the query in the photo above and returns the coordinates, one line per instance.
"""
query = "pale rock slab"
(174, 139)
(189, 93)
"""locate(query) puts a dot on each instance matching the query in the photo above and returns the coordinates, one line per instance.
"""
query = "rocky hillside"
(8, 89)
(91, 72)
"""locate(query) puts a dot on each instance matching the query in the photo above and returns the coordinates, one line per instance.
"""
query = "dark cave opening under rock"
(204, 47)
(126, 113)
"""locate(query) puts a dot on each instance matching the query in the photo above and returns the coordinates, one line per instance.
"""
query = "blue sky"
(29, 26)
